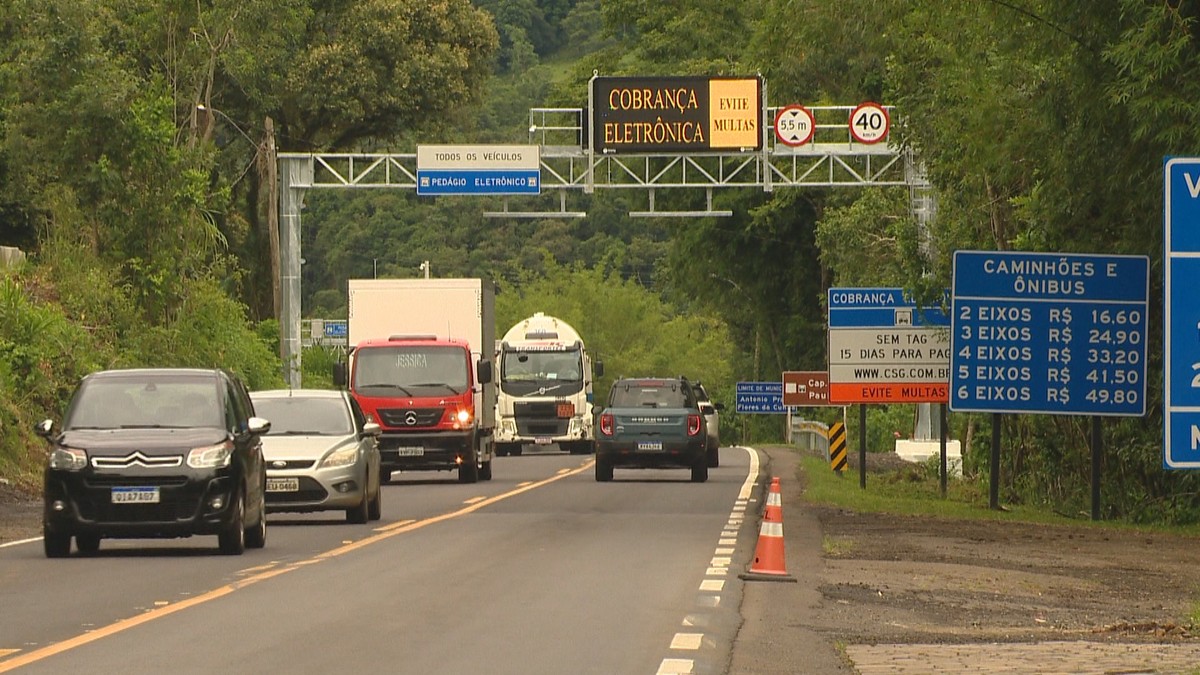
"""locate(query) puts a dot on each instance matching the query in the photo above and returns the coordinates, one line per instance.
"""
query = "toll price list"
(1084, 354)
(1068, 358)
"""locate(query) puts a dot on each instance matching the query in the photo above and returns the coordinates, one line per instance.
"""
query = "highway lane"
(540, 570)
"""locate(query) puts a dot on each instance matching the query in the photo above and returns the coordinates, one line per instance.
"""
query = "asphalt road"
(541, 570)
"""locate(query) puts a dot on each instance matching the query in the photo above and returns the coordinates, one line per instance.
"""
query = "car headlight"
(343, 457)
(68, 459)
(210, 456)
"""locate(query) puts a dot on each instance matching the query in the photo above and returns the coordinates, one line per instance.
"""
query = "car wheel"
(361, 512)
(57, 545)
(88, 544)
(604, 470)
(256, 537)
(375, 507)
(232, 541)
(700, 469)
(485, 470)
(714, 457)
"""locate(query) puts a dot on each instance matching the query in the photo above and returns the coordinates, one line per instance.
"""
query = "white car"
(712, 421)
(321, 453)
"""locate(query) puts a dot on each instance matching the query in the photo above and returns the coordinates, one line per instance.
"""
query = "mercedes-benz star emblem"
(410, 418)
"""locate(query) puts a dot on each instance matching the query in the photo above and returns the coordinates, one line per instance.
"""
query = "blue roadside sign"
(1050, 333)
(478, 182)
(759, 398)
(336, 329)
(1181, 313)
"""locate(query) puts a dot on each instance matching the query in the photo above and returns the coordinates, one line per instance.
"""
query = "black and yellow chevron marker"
(837, 446)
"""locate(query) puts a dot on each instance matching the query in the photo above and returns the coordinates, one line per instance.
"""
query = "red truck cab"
(424, 392)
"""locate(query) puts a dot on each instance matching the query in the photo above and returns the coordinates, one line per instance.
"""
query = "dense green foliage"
(1042, 125)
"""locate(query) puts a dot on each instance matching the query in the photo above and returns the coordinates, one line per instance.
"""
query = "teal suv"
(651, 423)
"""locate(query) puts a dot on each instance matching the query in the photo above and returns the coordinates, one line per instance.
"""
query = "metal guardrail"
(809, 435)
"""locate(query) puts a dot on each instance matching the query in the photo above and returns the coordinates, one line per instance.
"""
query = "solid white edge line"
(20, 541)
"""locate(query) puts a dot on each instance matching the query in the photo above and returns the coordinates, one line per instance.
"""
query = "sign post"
(1049, 333)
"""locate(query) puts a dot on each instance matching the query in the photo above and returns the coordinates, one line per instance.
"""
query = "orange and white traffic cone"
(769, 561)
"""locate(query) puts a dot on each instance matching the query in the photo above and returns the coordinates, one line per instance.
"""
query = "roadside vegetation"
(133, 162)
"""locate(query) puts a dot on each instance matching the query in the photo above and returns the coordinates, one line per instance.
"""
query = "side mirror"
(372, 429)
(484, 368)
(45, 428)
(598, 368)
(597, 409)
(340, 375)
(259, 425)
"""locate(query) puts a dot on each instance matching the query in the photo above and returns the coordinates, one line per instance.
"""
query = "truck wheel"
(517, 449)
(604, 470)
(468, 471)
(700, 469)
(485, 471)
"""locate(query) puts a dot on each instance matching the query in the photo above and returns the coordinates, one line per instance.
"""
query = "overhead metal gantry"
(569, 168)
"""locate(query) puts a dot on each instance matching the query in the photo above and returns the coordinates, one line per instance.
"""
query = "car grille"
(107, 481)
(541, 427)
(137, 459)
(136, 513)
(290, 464)
(410, 417)
(539, 418)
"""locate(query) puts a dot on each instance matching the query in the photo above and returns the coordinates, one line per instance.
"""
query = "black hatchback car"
(155, 452)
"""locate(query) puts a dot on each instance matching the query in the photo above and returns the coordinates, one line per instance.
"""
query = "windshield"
(151, 401)
(664, 396)
(532, 373)
(542, 366)
(305, 416)
(411, 371)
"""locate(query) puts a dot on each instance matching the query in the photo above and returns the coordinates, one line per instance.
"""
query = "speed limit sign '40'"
(869, 123)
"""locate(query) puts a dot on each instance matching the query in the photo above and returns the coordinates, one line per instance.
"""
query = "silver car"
(712, 422)
(321, 453)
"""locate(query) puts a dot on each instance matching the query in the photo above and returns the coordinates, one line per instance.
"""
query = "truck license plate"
(283, 485)
(410, 451)
(542, 440)
(135, 495)
(650, 445)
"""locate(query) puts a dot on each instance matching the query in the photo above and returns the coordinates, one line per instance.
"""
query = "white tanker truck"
(545, 393)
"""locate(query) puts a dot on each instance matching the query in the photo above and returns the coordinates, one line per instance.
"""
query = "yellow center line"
(472, 500)
(392, 526)
(160, 612)
(6, 652)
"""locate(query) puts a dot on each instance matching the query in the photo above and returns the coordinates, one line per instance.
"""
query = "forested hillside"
(131, 161)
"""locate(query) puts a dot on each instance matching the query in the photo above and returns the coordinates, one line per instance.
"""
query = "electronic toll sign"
(676, 114)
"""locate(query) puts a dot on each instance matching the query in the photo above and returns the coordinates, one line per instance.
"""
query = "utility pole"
(270, 174)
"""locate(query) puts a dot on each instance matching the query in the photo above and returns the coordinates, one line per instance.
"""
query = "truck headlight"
(210, 456)
(341, 457)
(68, 459)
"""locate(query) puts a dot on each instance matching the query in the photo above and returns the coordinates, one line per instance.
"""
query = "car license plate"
(650, 445)
(410, 451)
(135, 495)
(566, 410)
(542, 440)
(283, 485)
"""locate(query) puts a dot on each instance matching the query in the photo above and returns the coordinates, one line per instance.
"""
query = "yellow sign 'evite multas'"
(676, 114)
